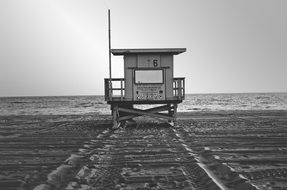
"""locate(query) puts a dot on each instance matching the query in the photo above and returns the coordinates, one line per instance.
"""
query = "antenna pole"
(110, 62)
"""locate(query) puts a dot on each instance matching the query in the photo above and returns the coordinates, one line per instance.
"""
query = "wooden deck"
(122, 101)
(123, 108)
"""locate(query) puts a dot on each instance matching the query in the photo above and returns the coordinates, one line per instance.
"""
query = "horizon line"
(196, 93)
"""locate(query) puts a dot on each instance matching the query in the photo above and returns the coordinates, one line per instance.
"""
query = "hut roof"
(173, 51)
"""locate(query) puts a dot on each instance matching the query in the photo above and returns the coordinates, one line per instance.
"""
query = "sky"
(60, 47)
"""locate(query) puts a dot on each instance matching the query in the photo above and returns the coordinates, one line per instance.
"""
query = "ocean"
(79, 105)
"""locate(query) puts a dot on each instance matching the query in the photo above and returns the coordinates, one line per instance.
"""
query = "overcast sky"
(60, 47)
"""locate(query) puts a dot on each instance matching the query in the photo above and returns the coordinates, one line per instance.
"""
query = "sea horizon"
(195, 93)
(96, 104)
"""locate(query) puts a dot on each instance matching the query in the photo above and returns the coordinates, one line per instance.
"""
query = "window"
(148, 76)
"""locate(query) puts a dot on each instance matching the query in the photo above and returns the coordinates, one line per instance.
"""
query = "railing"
(179, 88)
(115, 90)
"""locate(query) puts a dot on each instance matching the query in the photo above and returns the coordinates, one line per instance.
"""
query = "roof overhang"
(173, 51)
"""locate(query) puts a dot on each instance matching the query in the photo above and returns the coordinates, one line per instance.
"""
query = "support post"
(170, 112)
(174, 113)
(115, 112)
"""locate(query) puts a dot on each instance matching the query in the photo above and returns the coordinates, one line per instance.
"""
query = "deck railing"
(115, 89)
(179, 88)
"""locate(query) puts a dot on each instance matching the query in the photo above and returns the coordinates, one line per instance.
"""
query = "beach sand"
(206, 150)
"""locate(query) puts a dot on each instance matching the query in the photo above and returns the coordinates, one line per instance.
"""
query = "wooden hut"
(148, 79)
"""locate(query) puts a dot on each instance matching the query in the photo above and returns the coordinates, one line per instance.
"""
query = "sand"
(206, 150)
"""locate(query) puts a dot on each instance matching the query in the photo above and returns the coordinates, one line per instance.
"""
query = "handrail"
(110, 90)
(179, 88)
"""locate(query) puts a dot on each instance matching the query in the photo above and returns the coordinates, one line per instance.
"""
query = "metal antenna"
(110, 62)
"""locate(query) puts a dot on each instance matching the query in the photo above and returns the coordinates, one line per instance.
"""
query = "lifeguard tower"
(148, 79)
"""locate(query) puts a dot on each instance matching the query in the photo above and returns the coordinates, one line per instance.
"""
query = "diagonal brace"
(150, 112)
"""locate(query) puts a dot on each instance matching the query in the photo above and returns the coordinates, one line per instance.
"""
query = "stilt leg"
(115, 117)
(170, 112)
(174, 114)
